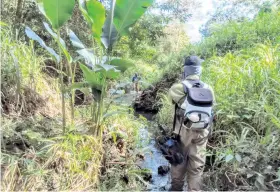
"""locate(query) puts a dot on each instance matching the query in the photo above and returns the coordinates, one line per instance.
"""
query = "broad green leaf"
(85, 14)
(122, 64)
(32, 35)
(82, 3)
(78, 85)
(41, 7)
(88, 55)
(109, 71)
(112, 74)
(95, 79)
(53, 34)
(58, 11)
(76, 42)
(106, 67)
(229, 158)
(96, 12)
(110, 34)
(61, 42)
(127, 12)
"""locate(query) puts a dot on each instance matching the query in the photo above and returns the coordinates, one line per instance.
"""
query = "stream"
(153, 157)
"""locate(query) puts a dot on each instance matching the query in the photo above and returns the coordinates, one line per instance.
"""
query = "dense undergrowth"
(243, 66)
(34, 153)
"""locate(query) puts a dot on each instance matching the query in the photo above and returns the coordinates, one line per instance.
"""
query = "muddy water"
(153, 159)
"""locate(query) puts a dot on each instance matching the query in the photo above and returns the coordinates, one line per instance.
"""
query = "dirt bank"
(148, 100)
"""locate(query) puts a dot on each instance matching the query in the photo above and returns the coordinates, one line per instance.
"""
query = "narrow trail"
(153, 157)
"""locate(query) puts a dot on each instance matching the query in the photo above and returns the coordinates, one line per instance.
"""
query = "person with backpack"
(135, 79)
(193, 119)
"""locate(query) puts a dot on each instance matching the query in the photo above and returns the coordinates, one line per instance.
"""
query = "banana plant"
(57, 12)
(99, 66)
(121, 16)
(96, 74)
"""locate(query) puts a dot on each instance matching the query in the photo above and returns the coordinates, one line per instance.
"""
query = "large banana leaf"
(32, 35)
(61, 42)
(53, 34)
(123, 14)
(112, 74)
(110, 34)
(127, 12)
(95, 79)
(122, 64)
(109, 71)
(84, 52)
(58, 11)
(88, 55)
(96, 12)
(106, 67)
(76, 42)
(41, 7)
(82, 6)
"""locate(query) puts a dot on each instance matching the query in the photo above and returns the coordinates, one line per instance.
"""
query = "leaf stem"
(61, 85)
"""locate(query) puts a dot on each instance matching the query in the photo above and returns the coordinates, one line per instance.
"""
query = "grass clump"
(235, 36)
(66, 163)
(246, 86)
(243, 67)
(35, 156)
(124, 142)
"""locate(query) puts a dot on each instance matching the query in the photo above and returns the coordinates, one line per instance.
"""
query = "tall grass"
(75, 161)
(246, 86)
(243, 67)
(235, 36)
(166, 114)
(17, 56)
(71, 162)
(23, 84)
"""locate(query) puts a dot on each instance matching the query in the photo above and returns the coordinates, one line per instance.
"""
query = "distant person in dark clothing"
(135, 79)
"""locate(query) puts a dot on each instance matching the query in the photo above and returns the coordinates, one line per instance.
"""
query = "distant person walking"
(135, 79)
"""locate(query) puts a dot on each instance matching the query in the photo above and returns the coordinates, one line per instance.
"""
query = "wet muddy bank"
(148, 100)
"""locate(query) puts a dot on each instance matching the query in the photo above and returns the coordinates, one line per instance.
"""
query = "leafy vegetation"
(57, 52)
(71, 161)
(244, 72)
